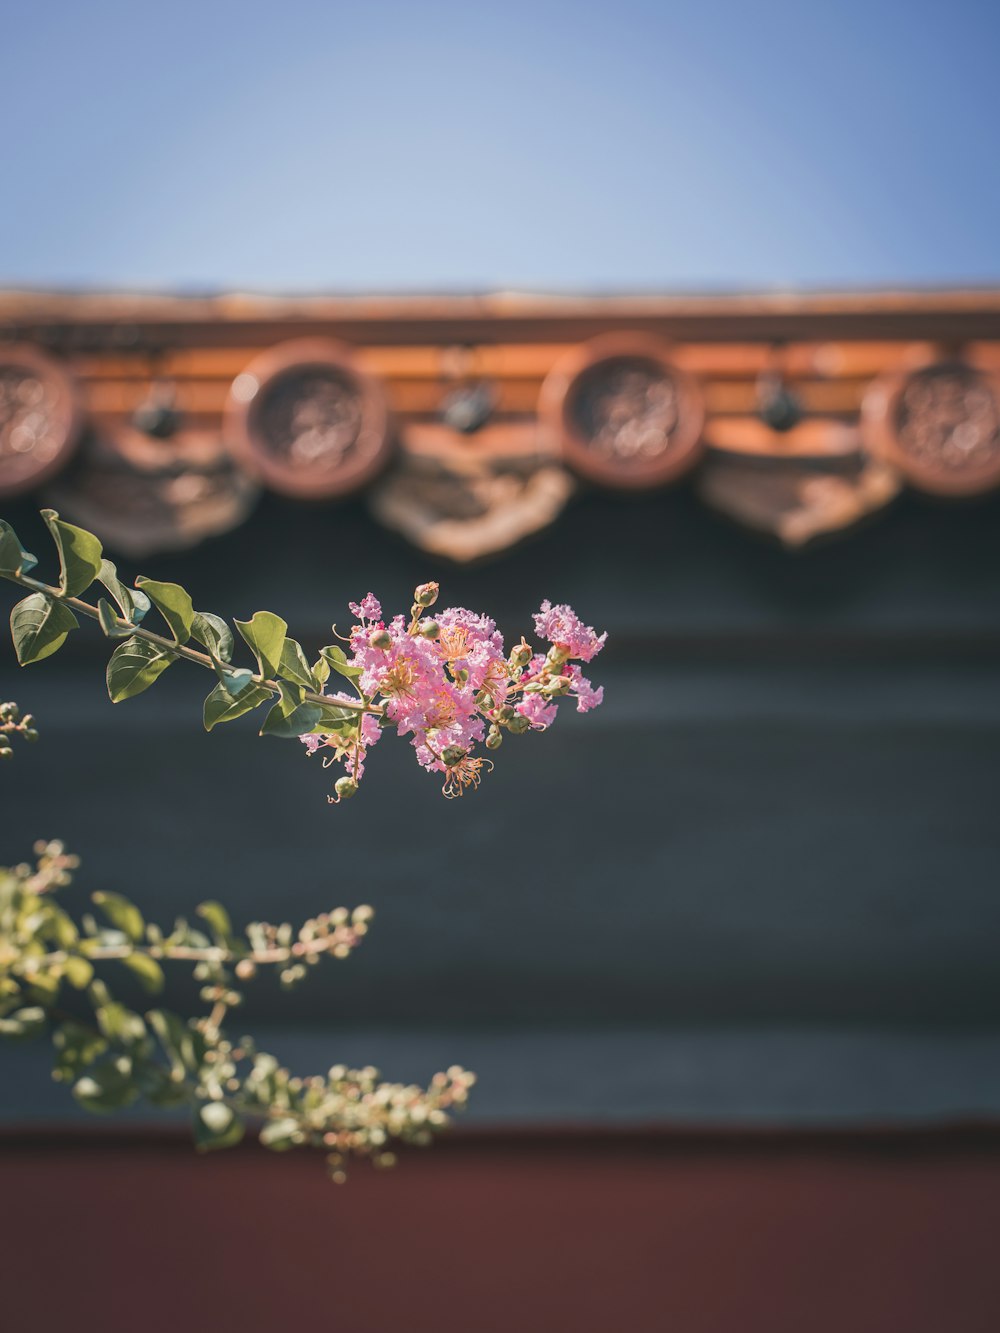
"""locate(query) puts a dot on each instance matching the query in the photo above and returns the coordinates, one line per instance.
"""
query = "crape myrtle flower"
(449, 684)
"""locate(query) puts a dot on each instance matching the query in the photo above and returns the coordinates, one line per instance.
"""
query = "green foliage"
(336, 658)
(13, 558)
(220, 706)
(173, 603)
(39, 627)
(214, 633)
(294, 666)
(41, 622)
(119, 1056)
(132, 603)
(291, 715)
(80, 554)
(265, 633)
(134, 666)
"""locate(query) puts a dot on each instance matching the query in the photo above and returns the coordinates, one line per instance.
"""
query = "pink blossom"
(586, 696)
(444, 689)
(539, 711)
(561, 625)
(369, 608)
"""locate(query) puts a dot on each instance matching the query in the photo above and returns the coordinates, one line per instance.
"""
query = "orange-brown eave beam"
(247, 320)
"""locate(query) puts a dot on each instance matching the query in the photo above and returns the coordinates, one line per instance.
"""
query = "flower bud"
(518, 725)
(506, 713)
(6, 752)
(460, 674)
(246, 968)
(557, 655)
(30, 734)
(494, 740)
(345, 788)
(453, 754)
(521, 654)
(380, 638)
(426, 594)
(556, 686)
(430, 629)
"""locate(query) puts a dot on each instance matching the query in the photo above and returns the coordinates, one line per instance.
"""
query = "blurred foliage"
(112, 1056)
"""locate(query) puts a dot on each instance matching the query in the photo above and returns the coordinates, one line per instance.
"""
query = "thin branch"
(178, 649)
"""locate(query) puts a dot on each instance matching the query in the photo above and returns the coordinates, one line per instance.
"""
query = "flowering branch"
(446, 681)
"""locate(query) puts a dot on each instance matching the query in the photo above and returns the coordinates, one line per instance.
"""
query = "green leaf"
(105, 1088)
(132, 603)
(159, 1088)
(290, 716)
(134, 666)
(214, 633)
(220, 706)
(39, 626)
(80, 554)
(184, 1046)
(147, 969)
(294, 665)
(109, 621)
(122, 913)
(265, 633)
(216, 1125)
(217, 917)
(77, 1046)
(337, 658)
(23, 1024)
(235, 681)
(119, 1023)
(173, 603)
(280, 1135)
(14, 559)
(333, 719)
(79, 972)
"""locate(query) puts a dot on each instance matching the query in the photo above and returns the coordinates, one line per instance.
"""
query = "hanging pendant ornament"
(778, 406)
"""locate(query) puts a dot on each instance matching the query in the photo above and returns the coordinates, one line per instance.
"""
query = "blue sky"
(383, 145)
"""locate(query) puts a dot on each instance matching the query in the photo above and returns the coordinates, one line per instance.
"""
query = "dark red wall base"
(696, 1234)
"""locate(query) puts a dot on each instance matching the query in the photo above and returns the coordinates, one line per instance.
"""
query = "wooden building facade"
(755, 894)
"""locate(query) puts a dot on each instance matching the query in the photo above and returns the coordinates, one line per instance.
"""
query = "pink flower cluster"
(448, 682)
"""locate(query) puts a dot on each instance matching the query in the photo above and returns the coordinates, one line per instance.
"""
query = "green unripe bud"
(453, 754)
(518, 725)
(6, 752)
(380, 638)
(345, 788)
(557, 685)
(484, 699)
(521, 654)
(30, 734)
(506, 713)
(557, 655)
(9, 712)
(426, 594)
(430, 629)
(494, 740)
(460, 674)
